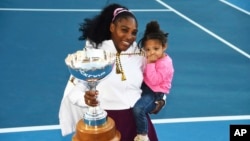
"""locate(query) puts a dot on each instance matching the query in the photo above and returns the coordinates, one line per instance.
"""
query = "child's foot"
(141, 138)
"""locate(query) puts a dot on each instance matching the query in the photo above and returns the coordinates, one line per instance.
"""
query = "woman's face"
(123, 33)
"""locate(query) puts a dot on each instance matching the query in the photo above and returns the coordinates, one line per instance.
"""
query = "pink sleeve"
(159, 72)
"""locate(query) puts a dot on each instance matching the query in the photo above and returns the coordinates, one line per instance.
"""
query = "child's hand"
(151, 58)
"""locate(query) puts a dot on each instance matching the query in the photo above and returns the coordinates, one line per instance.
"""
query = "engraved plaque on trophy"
(92, 65)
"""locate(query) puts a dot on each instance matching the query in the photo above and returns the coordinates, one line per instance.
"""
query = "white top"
(114, 94)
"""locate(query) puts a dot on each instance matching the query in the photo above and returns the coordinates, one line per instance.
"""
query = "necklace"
(135, 53)
(119, 69)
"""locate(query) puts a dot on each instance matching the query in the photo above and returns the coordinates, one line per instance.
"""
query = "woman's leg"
(125, 123)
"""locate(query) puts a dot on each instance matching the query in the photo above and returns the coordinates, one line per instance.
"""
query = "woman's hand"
(90, 98)
(159, 105)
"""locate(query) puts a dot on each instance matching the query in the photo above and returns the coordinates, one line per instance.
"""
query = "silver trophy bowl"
(91, 65)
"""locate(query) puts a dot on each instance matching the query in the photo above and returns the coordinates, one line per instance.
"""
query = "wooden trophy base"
(106, 132)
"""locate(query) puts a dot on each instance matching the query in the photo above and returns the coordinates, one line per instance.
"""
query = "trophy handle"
(94, 116)
(92, 83)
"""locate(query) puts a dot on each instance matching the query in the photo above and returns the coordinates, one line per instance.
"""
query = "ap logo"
(239, 132)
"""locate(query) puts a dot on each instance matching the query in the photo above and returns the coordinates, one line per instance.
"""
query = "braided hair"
(153, 31)
(97, 29)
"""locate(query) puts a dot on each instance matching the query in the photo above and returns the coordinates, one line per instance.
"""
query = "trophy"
(92, 65)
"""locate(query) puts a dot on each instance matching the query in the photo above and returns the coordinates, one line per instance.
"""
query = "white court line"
(205, 29)
(30, 128)
(155, 121)
(202, 119)
(48, 10)
(234, 6)
(75, 10)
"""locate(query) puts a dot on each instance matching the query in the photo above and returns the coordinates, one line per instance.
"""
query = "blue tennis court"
(208, 42)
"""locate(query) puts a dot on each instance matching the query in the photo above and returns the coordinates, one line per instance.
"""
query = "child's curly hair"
(153, 31)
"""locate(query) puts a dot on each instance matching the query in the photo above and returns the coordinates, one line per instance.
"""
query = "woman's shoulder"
(105, 45)
(133, 48)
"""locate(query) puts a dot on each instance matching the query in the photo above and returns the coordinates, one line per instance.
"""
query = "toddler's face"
(154, 50)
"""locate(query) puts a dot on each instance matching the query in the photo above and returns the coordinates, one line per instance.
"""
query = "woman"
(115, 30)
